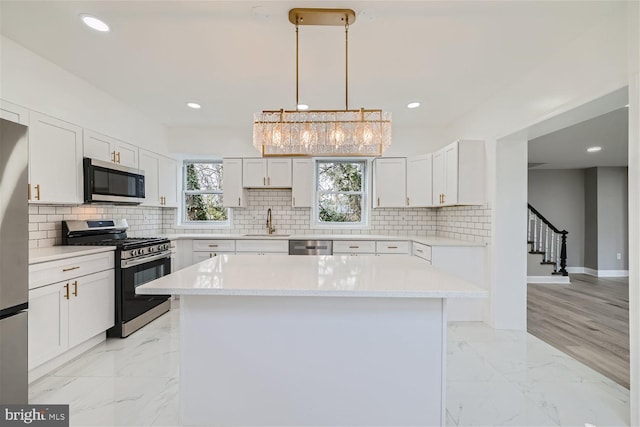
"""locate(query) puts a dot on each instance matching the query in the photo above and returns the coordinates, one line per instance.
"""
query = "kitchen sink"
(266, 235)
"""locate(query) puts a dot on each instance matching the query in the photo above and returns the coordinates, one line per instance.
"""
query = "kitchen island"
(312, 341)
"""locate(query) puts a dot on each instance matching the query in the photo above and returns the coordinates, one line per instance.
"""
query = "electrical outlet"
(619, 256)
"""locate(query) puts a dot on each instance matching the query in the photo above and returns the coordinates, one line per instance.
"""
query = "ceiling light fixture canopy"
(362, 132)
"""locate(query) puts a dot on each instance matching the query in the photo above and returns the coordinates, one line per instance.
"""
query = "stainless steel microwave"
(106, 182)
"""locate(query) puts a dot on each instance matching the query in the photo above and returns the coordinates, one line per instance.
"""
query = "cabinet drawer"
(262, 246)
(217, 245)
(422, 251)
(392, 247)
(46, 273)
(354, 247)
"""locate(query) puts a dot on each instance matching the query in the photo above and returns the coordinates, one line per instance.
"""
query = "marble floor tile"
(494, 377)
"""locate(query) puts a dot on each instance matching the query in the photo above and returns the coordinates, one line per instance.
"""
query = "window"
(202, 193)
(340, 192)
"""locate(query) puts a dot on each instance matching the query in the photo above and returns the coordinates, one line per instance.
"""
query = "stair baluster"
(547, 239)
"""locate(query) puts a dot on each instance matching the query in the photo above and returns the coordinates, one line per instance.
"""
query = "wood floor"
(587, 319)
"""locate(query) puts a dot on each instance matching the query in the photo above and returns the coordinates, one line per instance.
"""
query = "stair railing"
(546, 238)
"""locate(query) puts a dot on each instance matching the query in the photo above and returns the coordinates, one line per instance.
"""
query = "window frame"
(366, 184)
(184, 222)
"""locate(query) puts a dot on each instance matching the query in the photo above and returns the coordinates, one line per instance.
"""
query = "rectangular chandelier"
(322, 132)
(302, 132)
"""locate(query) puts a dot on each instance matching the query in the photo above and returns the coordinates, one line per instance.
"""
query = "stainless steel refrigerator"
(14, 270)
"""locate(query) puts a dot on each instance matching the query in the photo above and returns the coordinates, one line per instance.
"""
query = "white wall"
(237, 142)
(31, 81)
(559, 196)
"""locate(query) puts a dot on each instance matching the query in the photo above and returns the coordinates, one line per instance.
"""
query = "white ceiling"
(236, 58)
(567, 148)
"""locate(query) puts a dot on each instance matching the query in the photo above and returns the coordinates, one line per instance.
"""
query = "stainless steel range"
(138, 261)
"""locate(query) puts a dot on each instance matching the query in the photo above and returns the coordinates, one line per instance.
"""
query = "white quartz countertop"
(427, 240)
(396, 276)
(54, 253)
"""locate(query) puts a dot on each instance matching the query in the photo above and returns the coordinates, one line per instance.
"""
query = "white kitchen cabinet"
(302, 183)
(66, 313)
(422, 251)
(168, 182)
(233, 193)
(266, 173)
(354, 247)
(390, 185)
(55, 160)
(262, 247)
(107, 149)
(14, 113)
(459, 174)
(419, 181)
(208, 248)
(160, 179)
(392, 247)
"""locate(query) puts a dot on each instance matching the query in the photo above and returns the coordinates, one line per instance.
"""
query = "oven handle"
(137, 261)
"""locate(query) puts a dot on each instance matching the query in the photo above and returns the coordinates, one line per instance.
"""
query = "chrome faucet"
(270, 228)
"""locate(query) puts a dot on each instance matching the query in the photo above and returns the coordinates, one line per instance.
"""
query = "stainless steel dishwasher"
(310, 247)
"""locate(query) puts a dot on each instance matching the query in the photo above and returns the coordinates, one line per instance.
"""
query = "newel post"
(563, 253)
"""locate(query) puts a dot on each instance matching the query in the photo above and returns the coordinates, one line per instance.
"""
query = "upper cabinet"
(390, 184)
(233, 194)
(160, 177)
(266, 173)
(105, 148)
(14, 113)
(55, 160)
(419, 181)
(459, 174)
(302, 183)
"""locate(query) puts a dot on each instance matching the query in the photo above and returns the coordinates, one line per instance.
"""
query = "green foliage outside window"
(203, 192)
(340, 191)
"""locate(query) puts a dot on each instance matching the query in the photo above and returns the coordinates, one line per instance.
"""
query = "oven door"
(138, 272)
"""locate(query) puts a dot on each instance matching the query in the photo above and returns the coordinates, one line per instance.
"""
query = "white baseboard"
(556, 279)
(598, 273)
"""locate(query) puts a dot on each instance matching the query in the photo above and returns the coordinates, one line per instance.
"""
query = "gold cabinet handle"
(269, 180)
(444, 198)
(28, 191)
(37, 187)
(294, 201)
(264, 181)
(407, 201)
(419, 250)
(378, 201)
(213, 246)
(118, 157)
(113, 157)
(392, 247)
(75, 288)
(66, 293)
(354, 247)
(238, 201)
(64, 270)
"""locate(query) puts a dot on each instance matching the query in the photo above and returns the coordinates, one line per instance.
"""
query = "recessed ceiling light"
(414, 104)
(95, 23)
(303, 107)
(194, 105)
(594, 149)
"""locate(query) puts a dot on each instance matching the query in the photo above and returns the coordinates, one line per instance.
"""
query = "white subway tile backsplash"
(472, 223)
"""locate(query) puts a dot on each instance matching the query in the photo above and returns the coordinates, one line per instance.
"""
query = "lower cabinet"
(392, 247)
(205, 249)
(354, 247)
(262, 247)
(65, 314)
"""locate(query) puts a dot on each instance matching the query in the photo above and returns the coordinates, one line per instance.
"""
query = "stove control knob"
(152, 249)
(137, 252)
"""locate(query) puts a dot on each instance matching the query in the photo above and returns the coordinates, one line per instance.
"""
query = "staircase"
(547, 250)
